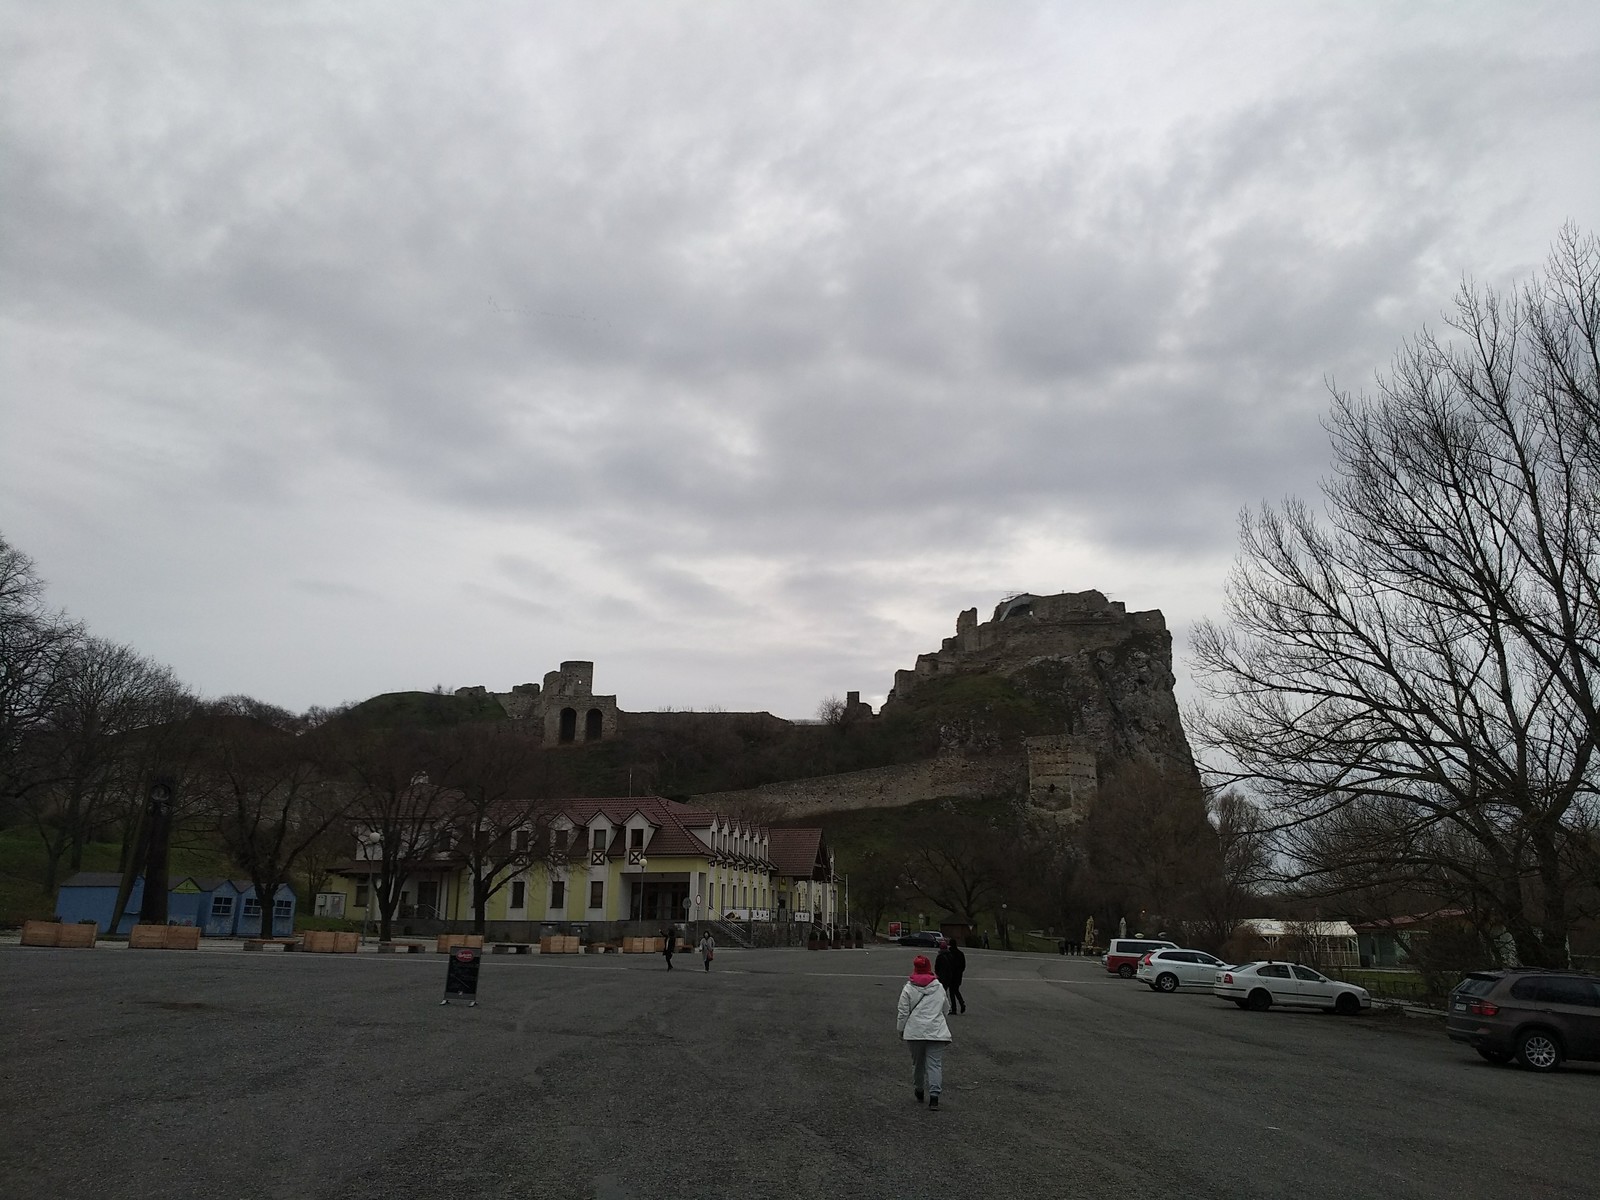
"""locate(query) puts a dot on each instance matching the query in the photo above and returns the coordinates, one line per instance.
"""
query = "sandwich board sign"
(461, 976)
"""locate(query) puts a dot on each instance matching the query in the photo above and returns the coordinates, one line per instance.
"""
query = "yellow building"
(596, 862)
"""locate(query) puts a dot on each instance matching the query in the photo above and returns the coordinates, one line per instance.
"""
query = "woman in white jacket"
(922, 1027)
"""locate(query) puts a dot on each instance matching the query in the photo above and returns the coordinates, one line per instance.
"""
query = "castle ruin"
(1105, 671)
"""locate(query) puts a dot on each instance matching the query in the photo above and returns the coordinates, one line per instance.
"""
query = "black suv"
(1536, 1017)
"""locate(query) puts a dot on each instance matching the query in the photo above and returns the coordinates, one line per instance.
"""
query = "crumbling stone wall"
(878, 787)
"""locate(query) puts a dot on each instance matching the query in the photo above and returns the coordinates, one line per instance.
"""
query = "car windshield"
(1474, 985)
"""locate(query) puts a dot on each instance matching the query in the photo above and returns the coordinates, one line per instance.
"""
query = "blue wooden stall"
(220, 907)
(249, 923)
(91, 895)
(184, 902)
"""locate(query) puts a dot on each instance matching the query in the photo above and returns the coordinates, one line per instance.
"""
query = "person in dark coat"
(950, 966)
(670, 945)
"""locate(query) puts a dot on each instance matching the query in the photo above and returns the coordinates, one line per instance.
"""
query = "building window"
(569, 725)
(520, 841)
(252, 907)
(281, 909)
(519, 894)
(593, 725)
(222, 906)
(361, 895)
(636, 838)
(558, 893)
(597, 839)
(597, 893)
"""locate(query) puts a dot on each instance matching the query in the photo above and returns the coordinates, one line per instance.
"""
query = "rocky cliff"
(1088, 689)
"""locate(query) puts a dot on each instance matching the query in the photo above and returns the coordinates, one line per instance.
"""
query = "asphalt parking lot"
(167, 1074)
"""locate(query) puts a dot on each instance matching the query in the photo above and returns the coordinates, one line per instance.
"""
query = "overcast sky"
(350, 348)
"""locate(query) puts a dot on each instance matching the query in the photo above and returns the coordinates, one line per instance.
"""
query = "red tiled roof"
(795, 851)
(671, 819)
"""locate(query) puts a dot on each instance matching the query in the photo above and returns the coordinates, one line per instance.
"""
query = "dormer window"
(636, 838)
(597, 838)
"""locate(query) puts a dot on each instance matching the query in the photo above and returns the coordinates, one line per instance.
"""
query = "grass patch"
(22, 869)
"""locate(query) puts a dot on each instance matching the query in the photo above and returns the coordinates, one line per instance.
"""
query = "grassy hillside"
(22, 868)
(427, 710)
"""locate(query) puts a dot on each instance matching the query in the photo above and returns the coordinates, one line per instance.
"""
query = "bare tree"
(960, 864)
(1148, 845)
(500, 819)
(402, 809)
(1413, 680)
(35, 644)
(1233, 893)
(87, 750)
(873, 882)
(267, 794)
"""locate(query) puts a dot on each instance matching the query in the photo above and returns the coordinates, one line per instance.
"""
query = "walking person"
(670, 945)
(707, 948)
(950, 966)
(921, 1024)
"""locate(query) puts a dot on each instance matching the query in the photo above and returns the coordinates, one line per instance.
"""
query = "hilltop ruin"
(1096, 680)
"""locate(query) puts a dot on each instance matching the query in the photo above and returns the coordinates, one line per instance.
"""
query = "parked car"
(1260, 985)
(1123, 954)
(926, 937)
(1537, 1018)
(1170, 970)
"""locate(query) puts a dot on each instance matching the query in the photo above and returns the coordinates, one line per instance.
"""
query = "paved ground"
(172, 1074)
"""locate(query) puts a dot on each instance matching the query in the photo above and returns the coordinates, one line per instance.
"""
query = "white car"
(1260, 985)
(1170, 970)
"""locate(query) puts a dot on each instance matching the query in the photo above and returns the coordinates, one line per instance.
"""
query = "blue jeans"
(927, 1066)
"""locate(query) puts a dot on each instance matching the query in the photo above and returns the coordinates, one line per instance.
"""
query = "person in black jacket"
(669, 943)
(950, 966)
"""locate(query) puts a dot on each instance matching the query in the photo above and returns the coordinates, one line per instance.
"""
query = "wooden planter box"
(164, 937)
(449, 941)
(58, 933)
(559, 944)
(328, 941)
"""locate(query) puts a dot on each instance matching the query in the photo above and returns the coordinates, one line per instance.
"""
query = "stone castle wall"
(1108, 672)
(1028, 627)
(877, 787)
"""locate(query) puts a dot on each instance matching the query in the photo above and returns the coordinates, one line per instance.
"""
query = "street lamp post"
(644, 864)
(1005, 929)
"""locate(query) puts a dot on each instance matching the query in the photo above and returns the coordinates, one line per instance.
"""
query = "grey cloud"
(838, 293)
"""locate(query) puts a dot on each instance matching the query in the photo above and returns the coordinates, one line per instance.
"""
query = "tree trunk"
(52, 866)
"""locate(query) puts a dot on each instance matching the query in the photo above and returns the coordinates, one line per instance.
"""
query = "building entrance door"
(428, 901)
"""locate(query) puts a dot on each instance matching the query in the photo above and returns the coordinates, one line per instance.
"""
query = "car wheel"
(1259, 1000)
(1498, 1057)
(1347, 1005)
(1242, 1003)
(1539, 1050)
(1167, 982)
(1125, 971)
